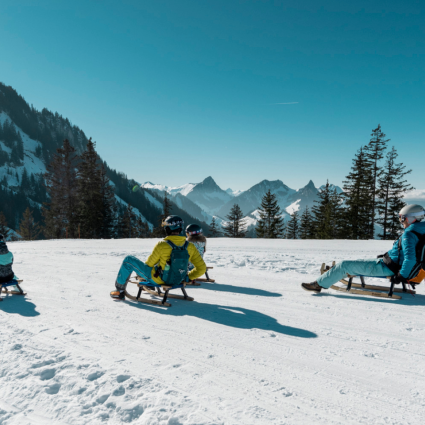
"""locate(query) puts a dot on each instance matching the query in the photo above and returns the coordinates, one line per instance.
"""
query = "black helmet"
(172, 223)
(193, 229)
(1, 238)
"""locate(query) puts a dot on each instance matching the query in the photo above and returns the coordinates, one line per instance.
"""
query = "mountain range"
(29, 139)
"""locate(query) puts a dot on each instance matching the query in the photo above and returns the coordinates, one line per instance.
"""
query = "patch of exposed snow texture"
(183, 190)
(233, 192)
(31, 163)
(295, 206)
(153, 200)
(253, 348)
(135, 211)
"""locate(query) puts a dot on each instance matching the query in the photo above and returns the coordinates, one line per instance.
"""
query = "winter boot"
(312, 287)
(118, 295)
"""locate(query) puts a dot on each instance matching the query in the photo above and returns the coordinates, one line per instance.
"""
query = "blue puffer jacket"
(6, 261)
(408, 248)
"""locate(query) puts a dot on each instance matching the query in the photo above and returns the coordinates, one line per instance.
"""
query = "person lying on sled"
(158, 261)
(398, 262)
(6, 261)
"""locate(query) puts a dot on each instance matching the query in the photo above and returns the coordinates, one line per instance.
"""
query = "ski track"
(253, 348)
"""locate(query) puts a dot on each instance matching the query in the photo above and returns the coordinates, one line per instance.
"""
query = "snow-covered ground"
(253, 348)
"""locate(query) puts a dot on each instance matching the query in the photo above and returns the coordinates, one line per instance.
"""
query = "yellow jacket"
(162, 253)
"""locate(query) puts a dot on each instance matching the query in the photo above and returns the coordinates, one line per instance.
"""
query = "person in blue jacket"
(6, 261)
(398, 261)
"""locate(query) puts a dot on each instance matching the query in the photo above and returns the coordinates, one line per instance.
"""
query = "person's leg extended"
(371, 268)
(129, 265)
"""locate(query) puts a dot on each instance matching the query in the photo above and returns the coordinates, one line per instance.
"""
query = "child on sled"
(194, 234)
(6, 261)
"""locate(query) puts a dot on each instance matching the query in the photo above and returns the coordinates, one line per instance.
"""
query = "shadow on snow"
(220, 287)
(18, 304)
(236, 317)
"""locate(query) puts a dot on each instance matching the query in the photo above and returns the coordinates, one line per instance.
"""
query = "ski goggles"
(403, 218)
(195, 232)
(175, 224)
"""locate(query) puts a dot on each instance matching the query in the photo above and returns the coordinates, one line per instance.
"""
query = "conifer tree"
(61, 185)
(158, 232)
(327, 214)
(141, 228)
(306, 225)
(235, 227)
(214, 230)
(4, 229)
(108, 206)
(391, 188)
(293, 226)
(358, 198)
(128, 223)
(374, 153)
(270, 225)
(28, 228)
(90, 205)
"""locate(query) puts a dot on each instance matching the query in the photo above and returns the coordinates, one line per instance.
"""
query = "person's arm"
(155, 256)
(408, 244)
(196, 259)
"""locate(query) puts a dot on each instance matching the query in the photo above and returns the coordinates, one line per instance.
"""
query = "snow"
(184, 189)
(153, 200)
(295, 206)
(135, 211)
(253, 348)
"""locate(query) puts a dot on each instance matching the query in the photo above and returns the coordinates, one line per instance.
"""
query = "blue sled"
(12, 282)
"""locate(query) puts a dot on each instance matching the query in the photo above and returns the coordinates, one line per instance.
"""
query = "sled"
(207, 279)
(154, 289)
(368, 290)
(13, 282)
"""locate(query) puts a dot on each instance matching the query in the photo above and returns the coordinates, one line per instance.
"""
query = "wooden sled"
(3, 288)
(368, 290)
(203, 279)
(155, 290)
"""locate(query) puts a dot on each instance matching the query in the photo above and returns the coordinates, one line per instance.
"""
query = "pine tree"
(109, 207)
(306, 225)
(128, 223)
(235, 227)
(293, 226)
(374, 153)
(60, 213)
(270, 225)
(4, 229)
(90, 205)
(214, 230)
(28, 228)
(141, 228)
(391, 190)
(158, 232)
(327, 214)
(358, 198)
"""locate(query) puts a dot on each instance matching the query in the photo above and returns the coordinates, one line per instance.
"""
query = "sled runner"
(154, 289)
(368, 290)
(4, 286)
(207, 279)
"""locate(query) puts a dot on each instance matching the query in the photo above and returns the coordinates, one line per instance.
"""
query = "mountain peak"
(310, 185)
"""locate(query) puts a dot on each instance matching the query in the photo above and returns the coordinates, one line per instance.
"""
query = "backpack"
(417, 275)
(175, 271)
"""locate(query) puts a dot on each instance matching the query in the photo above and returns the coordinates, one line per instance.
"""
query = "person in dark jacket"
(398, 261)
(6, 261)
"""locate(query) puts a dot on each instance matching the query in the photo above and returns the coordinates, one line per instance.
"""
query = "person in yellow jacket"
(154, 266)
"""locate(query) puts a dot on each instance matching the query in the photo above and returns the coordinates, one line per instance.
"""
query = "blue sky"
(175, 91)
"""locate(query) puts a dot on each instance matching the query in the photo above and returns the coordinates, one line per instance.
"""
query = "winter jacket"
(406, 257)
(6, 261)
(201, 247)
(162, 253)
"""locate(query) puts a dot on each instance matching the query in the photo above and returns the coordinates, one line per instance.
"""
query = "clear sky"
(174, 91)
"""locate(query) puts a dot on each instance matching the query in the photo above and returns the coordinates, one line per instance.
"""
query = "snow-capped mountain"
(233, 193)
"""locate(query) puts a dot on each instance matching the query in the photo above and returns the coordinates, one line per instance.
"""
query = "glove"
(399, 279)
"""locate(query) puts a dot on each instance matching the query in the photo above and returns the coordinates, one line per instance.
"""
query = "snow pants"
(129, 265)
(373, 268)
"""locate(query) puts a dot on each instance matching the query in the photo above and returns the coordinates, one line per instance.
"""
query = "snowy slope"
(32, 164)
(252, 348)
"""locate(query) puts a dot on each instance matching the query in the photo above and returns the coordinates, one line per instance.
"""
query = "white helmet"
(411, 213)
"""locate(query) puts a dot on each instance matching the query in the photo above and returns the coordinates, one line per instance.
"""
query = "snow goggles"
(403, 218)
(176, 224)
(195, 232)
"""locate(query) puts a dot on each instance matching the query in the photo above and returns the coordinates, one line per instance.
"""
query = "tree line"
(372, 195)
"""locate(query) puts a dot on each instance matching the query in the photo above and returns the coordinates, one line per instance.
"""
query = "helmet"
(1, 238)
(172, 223)
(193, 229)
(411, 213)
